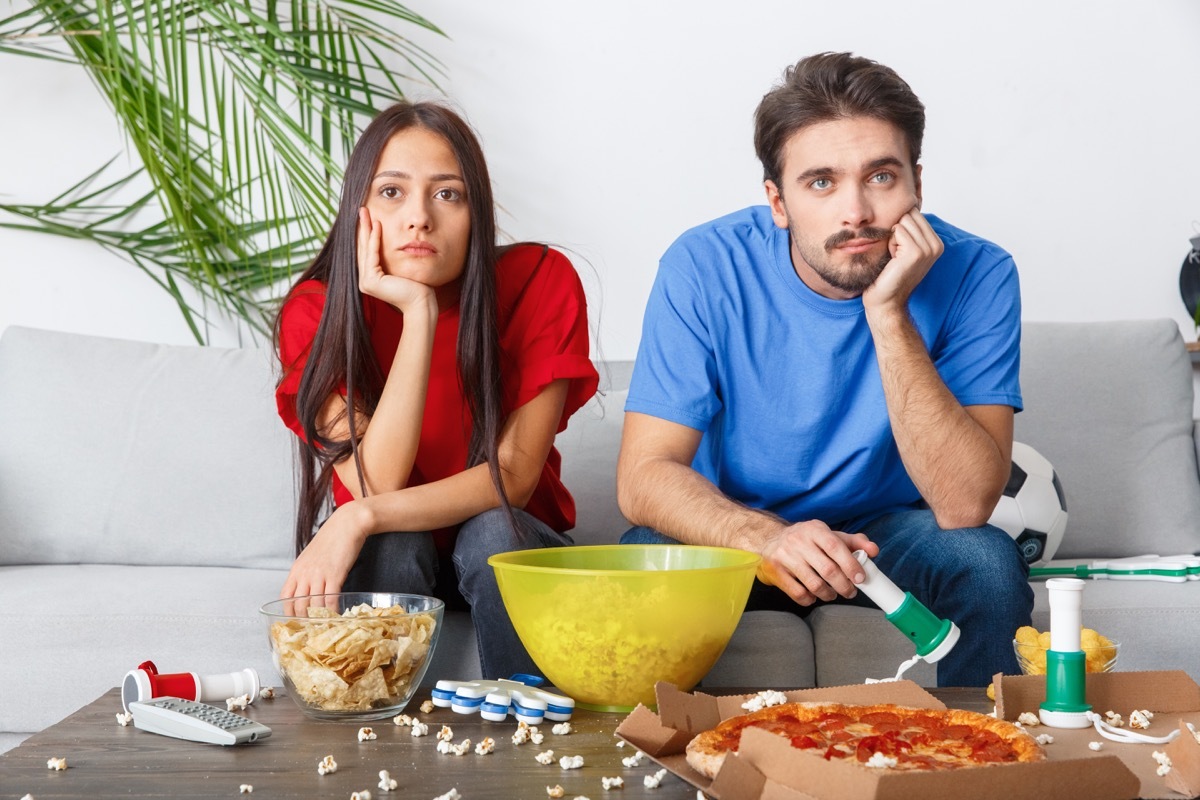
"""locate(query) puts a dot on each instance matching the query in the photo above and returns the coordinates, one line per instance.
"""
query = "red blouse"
(542, 317)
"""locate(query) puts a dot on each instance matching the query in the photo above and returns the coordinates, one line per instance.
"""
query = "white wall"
(1066, 131)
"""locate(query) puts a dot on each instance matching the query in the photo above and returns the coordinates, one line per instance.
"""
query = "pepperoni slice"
(957, 731)
(877, 717)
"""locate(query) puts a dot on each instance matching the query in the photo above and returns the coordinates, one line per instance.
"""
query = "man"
(837, 372)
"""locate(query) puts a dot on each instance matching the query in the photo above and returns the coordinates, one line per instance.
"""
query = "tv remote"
(196, 722)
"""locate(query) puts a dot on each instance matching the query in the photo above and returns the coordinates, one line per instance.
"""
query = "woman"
(462, 360)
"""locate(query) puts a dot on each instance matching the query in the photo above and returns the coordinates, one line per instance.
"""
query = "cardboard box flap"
(644, 731)
(1184, 753)
(1100, 778)
(1171, 690)
(686, 712)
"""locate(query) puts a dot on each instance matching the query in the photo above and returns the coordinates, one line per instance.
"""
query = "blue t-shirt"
(783, 382)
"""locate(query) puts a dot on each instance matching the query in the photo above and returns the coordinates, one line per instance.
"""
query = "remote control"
(196, 722)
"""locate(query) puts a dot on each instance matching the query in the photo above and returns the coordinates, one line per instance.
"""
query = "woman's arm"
(525, 442)
(387, 446)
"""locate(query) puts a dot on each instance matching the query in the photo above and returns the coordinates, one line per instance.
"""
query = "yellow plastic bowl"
(605, 623)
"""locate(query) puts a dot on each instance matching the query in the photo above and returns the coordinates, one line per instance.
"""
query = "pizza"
(884, 735)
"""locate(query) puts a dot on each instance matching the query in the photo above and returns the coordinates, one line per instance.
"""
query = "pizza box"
(1172, 696)
(766, 766)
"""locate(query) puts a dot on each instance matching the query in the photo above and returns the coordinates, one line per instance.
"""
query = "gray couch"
(146, 502)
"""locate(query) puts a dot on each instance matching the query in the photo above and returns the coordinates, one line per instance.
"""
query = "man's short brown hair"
(831, 86)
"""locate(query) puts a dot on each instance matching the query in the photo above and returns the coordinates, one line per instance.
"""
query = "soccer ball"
(1032, 509)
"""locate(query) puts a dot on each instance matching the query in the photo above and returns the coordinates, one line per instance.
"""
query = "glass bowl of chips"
(1031, 646)
(605, 623)
(353, 655)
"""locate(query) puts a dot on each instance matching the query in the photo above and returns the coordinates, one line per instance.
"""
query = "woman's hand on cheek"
(403, 293)
(322, 567)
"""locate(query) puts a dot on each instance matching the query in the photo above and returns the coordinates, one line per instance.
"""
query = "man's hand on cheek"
(914, 247)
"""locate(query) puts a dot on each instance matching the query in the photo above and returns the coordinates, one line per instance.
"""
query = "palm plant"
(238, 114)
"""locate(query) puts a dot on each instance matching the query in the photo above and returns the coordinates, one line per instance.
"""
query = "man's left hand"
(914, 247)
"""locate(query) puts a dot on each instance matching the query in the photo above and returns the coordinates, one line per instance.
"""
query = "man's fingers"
(794, 589)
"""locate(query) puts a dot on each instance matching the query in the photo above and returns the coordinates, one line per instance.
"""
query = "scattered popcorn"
(545, 758)
(124, 718)
(486, 746)
(555, 791)
(764, 699)
(1018, 725)
(880, 761)
(386, 782)
(266, 693)
(237, 703)
(634, 760)
(419, 729)
(1140, 719)
(571, 762)
(521, 735)
(460, 749)
(366, 734)
(363, 795)
(561, 729)
(1114, 719)
(620, 742)
(404, 720)
(1164, 760)
(612, 783)
(27, 797)
(245, 788)
(536, 736)
(427, 708)
(652, 781)
(445, 734)
(1029, 718)
(326, 766)
(1045, 738)
(57, 764)
(1095, 745)
(450, 795)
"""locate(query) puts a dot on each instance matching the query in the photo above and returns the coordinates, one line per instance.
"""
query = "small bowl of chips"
(353, 655)
(1031, 646)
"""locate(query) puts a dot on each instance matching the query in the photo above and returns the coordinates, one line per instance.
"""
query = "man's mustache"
(843, 236)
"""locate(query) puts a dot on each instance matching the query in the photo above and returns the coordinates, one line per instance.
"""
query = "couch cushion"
(85, 626)
(1110, 404)
(123, 452)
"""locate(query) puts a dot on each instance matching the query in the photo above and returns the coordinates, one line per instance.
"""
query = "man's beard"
(860, 273)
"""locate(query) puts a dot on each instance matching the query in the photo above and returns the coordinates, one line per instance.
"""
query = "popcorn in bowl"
(1031, 646)
(354, 655)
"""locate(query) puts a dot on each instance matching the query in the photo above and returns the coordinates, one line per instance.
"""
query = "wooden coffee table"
(107, 760)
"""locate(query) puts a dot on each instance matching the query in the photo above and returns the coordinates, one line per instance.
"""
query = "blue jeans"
(408, 562)
(975, 577)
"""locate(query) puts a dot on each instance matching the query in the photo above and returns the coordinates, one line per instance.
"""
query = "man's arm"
(958, 457)
(657, 487)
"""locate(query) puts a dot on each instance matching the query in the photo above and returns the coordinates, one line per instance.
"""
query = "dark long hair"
(342, 354)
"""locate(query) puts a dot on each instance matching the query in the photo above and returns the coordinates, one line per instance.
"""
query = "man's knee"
(641, 534)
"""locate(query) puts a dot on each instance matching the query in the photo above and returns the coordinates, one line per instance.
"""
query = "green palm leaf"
(240, 116)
